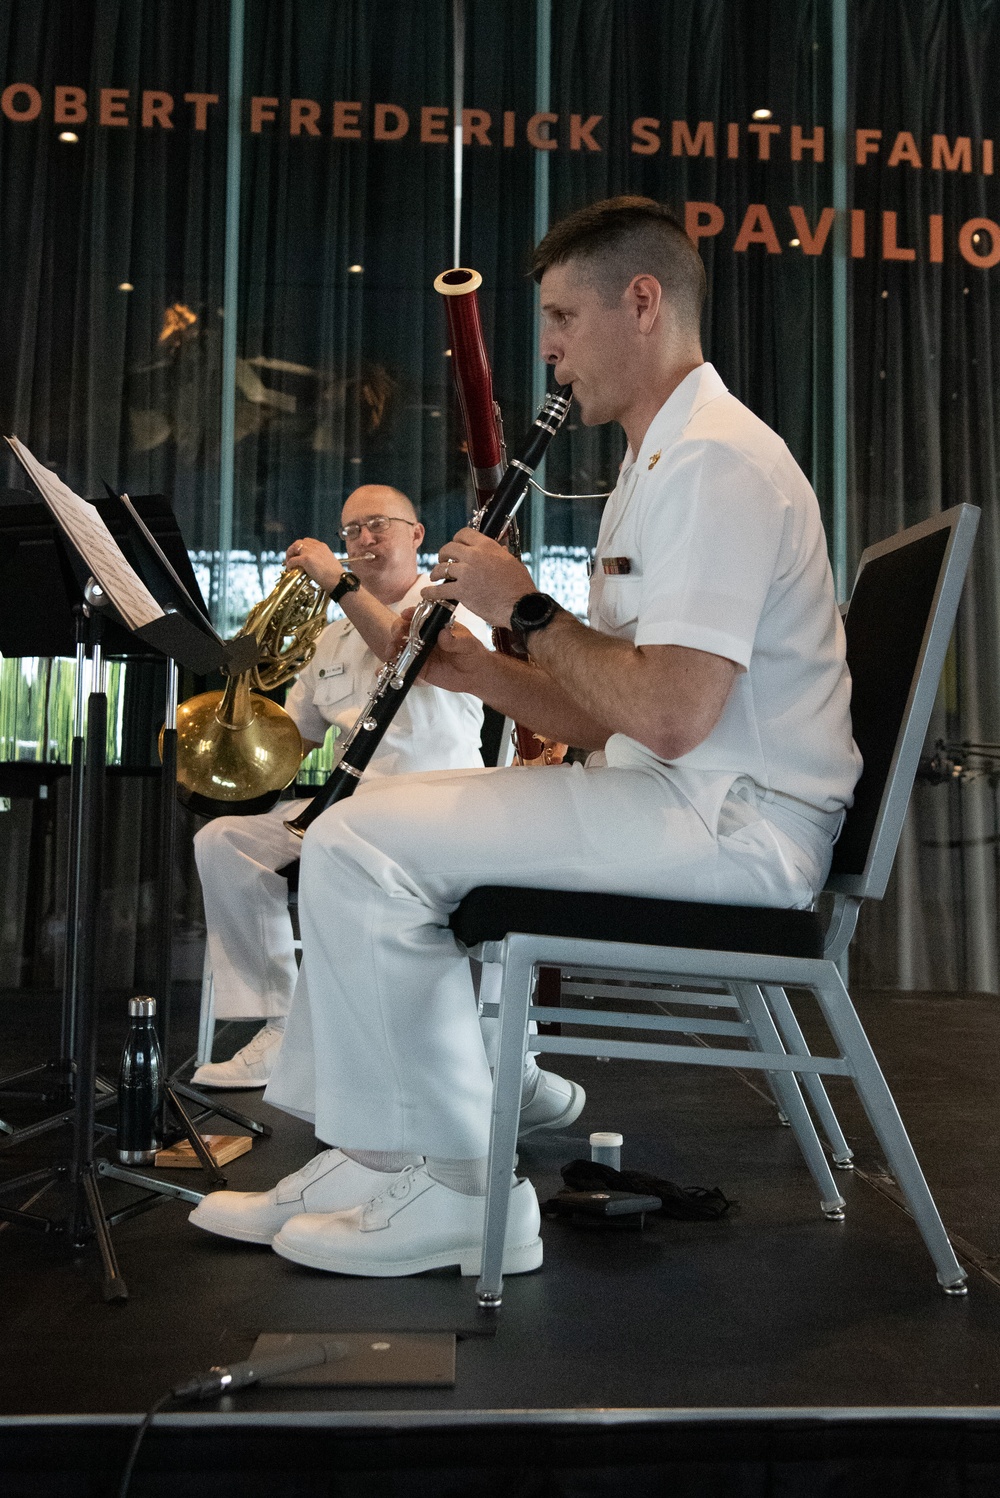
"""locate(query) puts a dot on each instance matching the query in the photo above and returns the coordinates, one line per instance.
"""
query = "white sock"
(530, 1083)
(467, 1177)
(382, 1160)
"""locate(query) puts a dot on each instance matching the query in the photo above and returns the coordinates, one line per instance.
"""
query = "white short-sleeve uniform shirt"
(432, 730)
(721, 534)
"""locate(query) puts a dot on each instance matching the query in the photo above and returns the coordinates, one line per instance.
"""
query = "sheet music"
(83, 525)
(168, 566)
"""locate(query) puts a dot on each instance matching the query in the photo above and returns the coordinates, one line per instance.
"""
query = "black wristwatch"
(348, 584)
(532, 612)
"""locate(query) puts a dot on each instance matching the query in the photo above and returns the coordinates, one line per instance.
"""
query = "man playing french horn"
(711, 687)
(246, 902)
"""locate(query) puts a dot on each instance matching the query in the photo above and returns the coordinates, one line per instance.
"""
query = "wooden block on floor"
(221, 1147)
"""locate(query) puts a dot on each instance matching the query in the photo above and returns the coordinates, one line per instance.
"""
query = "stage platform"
(772, 1351)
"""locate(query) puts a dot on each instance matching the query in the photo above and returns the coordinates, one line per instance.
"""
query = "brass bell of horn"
(237, 750)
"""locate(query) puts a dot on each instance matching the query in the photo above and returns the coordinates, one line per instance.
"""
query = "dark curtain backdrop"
(86, 379)
(342, 374)
(925, 366)
(376, 403)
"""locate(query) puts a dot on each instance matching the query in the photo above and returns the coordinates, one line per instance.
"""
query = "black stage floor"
(771, 1341)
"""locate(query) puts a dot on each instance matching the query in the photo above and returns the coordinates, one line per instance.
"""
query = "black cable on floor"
(147, 1421)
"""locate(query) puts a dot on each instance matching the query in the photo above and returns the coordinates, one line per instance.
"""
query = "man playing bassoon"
(712, 690)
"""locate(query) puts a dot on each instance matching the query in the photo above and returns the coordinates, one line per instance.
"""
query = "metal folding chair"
(694, 957)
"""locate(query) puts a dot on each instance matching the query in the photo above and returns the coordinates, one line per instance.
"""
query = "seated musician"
(713, 690)
(250, 936)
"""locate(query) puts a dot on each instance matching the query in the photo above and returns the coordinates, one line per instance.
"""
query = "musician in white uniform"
(712, 688)
(246, 902)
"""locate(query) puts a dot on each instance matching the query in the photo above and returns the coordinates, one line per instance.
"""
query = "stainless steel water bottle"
(140, 1087)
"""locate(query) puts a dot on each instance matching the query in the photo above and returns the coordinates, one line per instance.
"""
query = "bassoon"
(397, 677)
(484, 442)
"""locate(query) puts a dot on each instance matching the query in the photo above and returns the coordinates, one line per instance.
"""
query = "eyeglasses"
(374, 525)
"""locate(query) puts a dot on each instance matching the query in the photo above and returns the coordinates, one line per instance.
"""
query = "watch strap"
(348, 583)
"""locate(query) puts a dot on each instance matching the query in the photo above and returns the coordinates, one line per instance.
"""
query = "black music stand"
(42, 582)
(40, 565)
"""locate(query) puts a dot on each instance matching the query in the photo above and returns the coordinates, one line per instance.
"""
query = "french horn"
(236, 749)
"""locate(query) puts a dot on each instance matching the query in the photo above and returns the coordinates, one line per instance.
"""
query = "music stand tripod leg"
(115, 1287)
(221, 1110)
(21, 1216)
(198, 1144)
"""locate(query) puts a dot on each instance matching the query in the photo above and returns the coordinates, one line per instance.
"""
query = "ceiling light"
(355, 270)
(447, 353)
(125, 286)
(795, 243)
(69, 136)
(762, 114)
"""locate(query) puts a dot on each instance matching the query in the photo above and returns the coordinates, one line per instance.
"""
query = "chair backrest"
(898, 626)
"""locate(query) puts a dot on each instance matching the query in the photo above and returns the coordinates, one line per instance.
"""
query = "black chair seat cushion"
(490, 912)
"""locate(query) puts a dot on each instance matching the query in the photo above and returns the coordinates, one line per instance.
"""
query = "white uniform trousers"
(383, 1048)
(250, 939)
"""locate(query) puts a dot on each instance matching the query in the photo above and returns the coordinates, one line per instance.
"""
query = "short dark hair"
(624, 237)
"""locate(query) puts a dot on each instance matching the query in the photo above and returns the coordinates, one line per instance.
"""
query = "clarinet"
(397, 677)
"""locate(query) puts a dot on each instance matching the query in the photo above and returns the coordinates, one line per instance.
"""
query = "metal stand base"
(220, 1110)
(105, 1095)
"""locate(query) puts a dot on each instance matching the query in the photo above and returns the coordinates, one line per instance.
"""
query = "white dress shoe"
(413, 1225)
(250, 1067)
(555, 1104)
(328, 1183)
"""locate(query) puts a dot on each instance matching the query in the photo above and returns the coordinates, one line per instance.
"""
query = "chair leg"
(883, 1115)
(786, 1089)
(206, 1014)
(515, 998)
(795, 1043)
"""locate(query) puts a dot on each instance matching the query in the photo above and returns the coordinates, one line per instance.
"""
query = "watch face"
(535, 606)
(533, 610)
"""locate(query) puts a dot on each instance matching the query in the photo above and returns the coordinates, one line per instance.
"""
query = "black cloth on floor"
(689, 1203)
